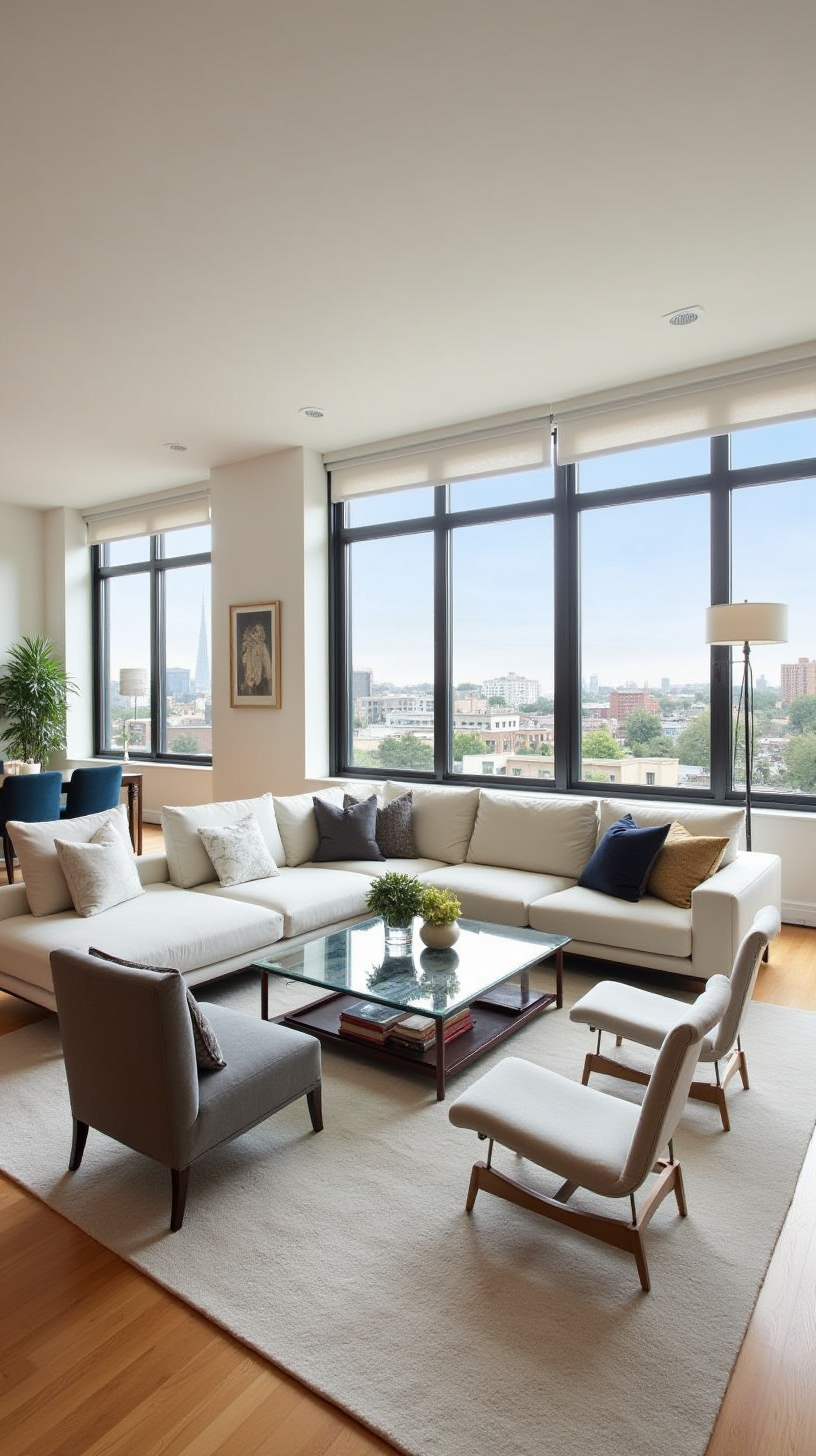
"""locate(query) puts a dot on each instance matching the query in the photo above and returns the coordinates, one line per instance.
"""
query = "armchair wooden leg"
(618, 1233)
(179, 1177)
(78, 1144)
(597, 1062)
(315, 1101)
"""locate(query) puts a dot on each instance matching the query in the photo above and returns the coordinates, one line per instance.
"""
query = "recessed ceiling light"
(173, 445)
(311, 411)
(682, 316)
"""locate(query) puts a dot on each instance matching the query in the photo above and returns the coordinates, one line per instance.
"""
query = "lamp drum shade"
(730, 623)
(133, 682)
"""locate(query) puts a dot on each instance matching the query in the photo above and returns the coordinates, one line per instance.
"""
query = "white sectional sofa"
(512, 858)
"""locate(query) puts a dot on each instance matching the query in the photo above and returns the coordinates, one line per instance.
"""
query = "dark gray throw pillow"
(347, 833)
(208, 1053)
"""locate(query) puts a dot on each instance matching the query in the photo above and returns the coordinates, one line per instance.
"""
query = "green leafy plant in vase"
(34, 688)
(440, 910)
(397, 898)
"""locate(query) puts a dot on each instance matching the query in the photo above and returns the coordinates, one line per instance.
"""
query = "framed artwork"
(255, 655)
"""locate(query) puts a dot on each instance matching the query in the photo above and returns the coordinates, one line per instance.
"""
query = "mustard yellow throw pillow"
(683, 863)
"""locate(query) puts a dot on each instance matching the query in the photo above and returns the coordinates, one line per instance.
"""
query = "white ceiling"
(409, 212)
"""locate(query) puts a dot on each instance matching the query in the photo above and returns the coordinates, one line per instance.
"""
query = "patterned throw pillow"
(101, 873)
(395, 830)
(207, 1051)
(683, 863)
(238, 851)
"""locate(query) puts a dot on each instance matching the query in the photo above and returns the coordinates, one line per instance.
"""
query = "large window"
(547, 626)
(152, 627)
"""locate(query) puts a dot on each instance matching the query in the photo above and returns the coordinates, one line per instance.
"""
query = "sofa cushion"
(238, 851)
(621, 864)
(164, 927)
(34, 844)
(696, 818)
(297, 824)
(490, 893)
(543, 833)
(346, 831)
(307, 899)
(442, 819)
(187, 859)
(207, 1051)
(683, 863)
(99, 874)
(651, 926)
(373, 868)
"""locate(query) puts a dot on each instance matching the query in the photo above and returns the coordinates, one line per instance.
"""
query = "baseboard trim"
(798, 912)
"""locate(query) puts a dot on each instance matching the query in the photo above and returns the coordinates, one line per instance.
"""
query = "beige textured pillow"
(99, 874)
(683, 863)
(238, 851)
(34, 845)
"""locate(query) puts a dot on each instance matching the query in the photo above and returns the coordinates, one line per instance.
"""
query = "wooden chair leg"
(8, 855)
(78, 1144)
(315, 1101)
(597, 1062)
(179, 1178)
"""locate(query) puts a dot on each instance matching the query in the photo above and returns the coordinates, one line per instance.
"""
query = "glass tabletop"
(433, 982)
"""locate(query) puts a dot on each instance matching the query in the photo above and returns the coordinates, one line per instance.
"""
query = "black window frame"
(155, 567)
(567, 506)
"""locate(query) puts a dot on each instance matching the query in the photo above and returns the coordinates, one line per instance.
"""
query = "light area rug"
(348, 1259)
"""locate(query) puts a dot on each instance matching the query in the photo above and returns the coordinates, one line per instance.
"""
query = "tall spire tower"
(202, 667)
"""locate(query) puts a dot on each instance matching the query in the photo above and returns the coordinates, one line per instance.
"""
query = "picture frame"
(255, 675)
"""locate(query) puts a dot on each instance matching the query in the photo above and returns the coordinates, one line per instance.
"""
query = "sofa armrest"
(13, 901)
(723, 909)
(153, 868)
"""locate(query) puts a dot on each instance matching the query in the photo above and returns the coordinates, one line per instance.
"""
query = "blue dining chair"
(31, 798)
(90, 790)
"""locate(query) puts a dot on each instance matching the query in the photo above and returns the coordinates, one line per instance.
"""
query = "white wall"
(270, 543)
(22, 575)
(792, 836)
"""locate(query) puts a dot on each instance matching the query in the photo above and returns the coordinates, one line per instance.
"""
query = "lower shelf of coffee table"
(496, 1015)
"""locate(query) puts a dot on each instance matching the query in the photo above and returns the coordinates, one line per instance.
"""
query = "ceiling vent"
(311, 411)
(682, 316)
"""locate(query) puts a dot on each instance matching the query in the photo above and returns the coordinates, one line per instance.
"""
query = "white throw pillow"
(99, 874)
(34, 844)
(238, 852)
(298, 826)
(188, 863)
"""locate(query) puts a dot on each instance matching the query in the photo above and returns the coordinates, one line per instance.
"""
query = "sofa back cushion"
(696, 818)
(547, 834)
(297, 824)
(187, 860)
(442, 819)
(46, 887)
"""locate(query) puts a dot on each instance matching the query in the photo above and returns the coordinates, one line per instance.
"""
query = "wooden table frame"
(497, 1014)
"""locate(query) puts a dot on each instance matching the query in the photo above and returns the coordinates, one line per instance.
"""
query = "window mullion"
(443, 688)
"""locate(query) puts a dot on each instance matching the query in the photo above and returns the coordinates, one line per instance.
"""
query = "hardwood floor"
(98, 1361)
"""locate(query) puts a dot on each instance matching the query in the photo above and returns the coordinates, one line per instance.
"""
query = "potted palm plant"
(34, 688)
(397, 898)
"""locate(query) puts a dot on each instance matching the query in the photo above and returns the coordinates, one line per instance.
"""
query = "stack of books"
(418, 1033)
(369, 1021)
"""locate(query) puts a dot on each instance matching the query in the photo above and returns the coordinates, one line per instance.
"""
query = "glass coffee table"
(488, 970)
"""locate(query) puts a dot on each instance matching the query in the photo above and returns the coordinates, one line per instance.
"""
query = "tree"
(467, 743)
(497, 702)
(185, 743)
(802, 715)
(405, 751)
(660, 747)
(694, 743)
(34, 688)
(601, 744)
(641, 727)
(541, 705)
(800, 761)
(543, 750)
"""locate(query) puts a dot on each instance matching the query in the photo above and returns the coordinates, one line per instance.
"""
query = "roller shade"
(147, 517)
(432, 461)
(763, 390)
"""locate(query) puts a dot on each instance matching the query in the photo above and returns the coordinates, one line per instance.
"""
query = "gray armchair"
(131, 1066)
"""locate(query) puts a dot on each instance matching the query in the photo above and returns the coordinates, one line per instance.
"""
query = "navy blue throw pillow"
(623, 860)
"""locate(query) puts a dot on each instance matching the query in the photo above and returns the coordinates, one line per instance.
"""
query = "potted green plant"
(439, 909)
(34, 688)
(397, 898)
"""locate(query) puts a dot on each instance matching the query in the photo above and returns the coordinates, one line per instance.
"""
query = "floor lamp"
(728, 625)
(132, 684)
